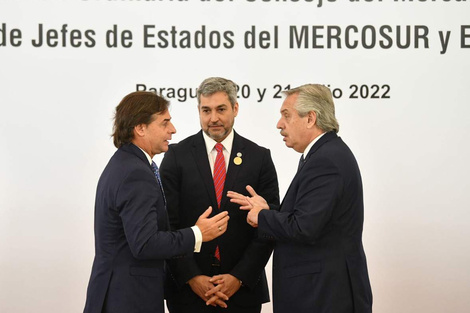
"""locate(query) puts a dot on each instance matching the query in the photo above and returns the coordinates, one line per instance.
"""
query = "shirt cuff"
(198, 238)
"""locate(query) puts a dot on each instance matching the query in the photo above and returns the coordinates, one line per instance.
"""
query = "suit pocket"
(145, 271)
(302, 269)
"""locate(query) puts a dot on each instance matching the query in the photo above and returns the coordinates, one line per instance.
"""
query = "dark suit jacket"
(189, 189)
(319, 263)
(132, 238)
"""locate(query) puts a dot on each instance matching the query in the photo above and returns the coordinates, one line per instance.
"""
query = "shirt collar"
(146, 155)
(210, 143)
(310, 145)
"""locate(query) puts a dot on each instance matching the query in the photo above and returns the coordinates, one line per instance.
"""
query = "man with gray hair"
(319, 264)
(228, 274)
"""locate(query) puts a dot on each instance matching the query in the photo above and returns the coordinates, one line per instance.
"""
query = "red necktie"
(219, 180)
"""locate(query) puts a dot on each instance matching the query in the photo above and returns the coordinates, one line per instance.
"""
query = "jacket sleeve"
(138, 200)
(307, 207)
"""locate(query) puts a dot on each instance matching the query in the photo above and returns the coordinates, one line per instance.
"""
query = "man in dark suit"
(319, 264)
(132, 235)
(228, 274)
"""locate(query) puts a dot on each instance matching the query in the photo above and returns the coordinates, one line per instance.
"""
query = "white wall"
(56, 116)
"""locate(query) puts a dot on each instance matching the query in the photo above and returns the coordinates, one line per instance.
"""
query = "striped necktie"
(219, 181)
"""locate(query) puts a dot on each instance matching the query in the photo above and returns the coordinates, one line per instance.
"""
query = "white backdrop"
(58, 93)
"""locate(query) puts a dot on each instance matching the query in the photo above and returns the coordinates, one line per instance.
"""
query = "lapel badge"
(238, 159)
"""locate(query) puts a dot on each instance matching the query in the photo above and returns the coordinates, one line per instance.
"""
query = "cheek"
(203, 120)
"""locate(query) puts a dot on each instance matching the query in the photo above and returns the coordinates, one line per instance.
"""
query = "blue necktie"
(301, 163)
(157, 175)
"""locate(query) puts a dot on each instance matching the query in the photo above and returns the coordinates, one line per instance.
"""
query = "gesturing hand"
(254, 204)
(242, 200)
(212, 227)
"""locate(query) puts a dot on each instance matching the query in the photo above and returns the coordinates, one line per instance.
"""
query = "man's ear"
(311, 119)
(139, 130)
(235, 109)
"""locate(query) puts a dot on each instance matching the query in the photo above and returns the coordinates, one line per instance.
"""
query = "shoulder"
(124, 162)
(122, 166)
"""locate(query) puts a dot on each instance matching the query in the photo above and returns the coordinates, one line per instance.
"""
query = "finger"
(241, 201)
(250, 201)
(217, 280)
(213, 291)
(221, 303)
(251, 191)
(222, 225)
(233, 194)
(210, 293)
(244, 205)
(216, 301)
(216, 277)
(220, 216)
(221, 295)
(206, 212)
(212, 301)
(223, 221)
(247, 205)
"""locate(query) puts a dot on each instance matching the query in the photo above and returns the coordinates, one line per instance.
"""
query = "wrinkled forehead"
(289, 104)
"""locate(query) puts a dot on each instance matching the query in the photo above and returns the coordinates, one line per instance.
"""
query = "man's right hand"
(212, 227)
(200, 285)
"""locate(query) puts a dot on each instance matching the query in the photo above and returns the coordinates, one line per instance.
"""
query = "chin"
(216, 136)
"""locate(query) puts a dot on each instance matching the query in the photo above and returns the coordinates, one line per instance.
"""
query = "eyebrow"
(217, 107)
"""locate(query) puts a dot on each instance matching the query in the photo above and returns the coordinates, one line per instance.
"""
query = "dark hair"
(136, 108)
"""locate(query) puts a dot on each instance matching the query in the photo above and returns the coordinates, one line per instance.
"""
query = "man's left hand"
(225, 283)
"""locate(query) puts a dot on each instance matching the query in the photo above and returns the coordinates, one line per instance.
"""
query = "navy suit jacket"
(189, 189)
(132, 238)
(319, 264)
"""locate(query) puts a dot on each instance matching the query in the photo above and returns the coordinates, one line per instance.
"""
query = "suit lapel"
(233, 169)
(199, 152)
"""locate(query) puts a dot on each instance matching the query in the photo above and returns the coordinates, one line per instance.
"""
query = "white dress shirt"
(212, 153)
(310, 145)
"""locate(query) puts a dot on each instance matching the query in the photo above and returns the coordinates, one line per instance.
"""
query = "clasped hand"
(215, 290)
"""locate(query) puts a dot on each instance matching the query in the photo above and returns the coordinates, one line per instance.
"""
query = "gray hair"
(316, 98)
(217, 84)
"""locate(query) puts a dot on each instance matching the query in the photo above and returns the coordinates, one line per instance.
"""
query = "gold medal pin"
(238, 159)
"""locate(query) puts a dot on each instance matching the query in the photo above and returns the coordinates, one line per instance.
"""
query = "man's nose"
(172, 128)
(214, 116)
